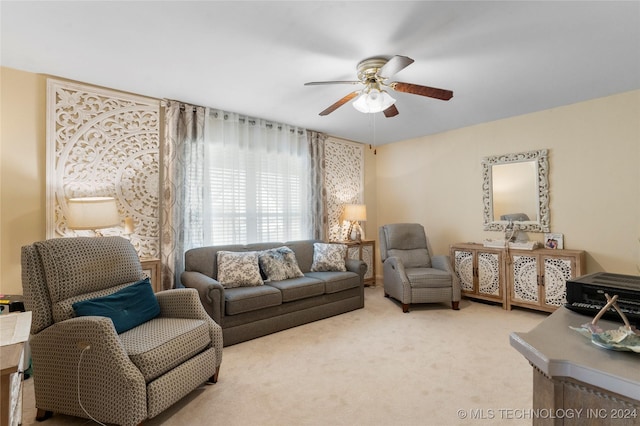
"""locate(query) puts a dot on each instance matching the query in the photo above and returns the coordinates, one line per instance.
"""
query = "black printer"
(586, 295)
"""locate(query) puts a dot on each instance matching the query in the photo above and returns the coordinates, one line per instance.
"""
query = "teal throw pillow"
(127, 308)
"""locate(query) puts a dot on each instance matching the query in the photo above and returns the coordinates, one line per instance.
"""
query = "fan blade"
(317, 83)
(392, 111)
(394, 65)
(341, 102)
(416, 89)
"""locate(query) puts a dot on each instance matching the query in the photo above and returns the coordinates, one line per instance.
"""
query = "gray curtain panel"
(182, 153)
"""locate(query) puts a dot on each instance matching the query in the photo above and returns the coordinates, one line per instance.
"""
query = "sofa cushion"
(336, 281)
(127, 308)
(238, 269)
(279, 264)
(246, 299)
(329, 257)
(298, 288)
(428, 277)
(159, 345)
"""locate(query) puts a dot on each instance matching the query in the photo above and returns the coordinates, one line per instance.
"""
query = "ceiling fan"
(373, 73)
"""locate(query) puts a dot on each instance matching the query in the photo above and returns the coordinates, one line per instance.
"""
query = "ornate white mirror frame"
(541, 165)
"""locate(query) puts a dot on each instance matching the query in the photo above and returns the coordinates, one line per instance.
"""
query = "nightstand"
(151, 267)
(364, 250)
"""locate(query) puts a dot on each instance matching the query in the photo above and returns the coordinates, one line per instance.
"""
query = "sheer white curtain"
(251, 184)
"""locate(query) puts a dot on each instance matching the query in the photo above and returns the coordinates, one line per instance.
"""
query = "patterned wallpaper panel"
(106, 143)
(103, 143)
(344, 181)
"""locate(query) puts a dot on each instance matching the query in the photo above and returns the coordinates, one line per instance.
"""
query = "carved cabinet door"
(479, 270)
(488, 273)
(525, 279)
(464, 265)
(537, 279)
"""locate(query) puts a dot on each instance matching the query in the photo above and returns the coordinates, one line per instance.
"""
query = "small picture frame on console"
(553, 241)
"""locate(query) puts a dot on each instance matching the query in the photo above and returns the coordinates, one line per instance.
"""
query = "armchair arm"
(181, 303)
(110, 384)
(443, 262)
(396, 283)
(185, 303)
(210, 291)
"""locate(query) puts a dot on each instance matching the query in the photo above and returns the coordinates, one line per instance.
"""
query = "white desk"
(14, 332)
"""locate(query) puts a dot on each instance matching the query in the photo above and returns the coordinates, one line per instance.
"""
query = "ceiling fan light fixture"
(361, 102)
(373, 101)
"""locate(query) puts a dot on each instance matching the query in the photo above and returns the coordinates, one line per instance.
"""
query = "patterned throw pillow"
(238, 269)
(279, 264)
(329, 257)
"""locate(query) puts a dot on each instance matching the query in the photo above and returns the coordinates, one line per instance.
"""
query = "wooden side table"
(364, 250)
(152, 268)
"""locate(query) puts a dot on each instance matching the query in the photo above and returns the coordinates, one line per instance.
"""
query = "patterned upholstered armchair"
(81, 365)
(411, 274)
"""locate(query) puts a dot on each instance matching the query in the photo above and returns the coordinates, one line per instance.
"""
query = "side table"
(152, 268)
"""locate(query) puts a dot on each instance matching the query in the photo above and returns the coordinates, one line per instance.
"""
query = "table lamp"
(92, 213)
(354, 213)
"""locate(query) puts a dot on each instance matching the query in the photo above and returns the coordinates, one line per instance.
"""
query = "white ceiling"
(500, 59)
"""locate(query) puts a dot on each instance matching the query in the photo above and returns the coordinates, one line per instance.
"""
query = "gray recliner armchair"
(82, 366)
(411, 274)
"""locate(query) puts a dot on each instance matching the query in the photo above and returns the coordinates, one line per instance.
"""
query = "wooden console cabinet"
(534, 279)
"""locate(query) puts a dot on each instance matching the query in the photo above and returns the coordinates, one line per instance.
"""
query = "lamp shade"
(92, 213)
(355, 212)
(373, 100)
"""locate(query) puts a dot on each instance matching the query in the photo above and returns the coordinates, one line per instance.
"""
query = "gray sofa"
(249, 312)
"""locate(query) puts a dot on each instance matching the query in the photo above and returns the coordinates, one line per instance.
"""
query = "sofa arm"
(210, 291)
(357, 266)
(109, 382)
(443, 262)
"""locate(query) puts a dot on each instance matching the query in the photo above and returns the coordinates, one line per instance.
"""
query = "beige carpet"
(373, 366)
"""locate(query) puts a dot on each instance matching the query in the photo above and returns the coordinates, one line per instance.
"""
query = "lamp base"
(355, 232)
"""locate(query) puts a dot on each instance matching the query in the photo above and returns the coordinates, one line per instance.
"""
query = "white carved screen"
(344, 182)
(104, 143)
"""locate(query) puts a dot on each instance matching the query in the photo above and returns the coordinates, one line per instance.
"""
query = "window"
(254, 182)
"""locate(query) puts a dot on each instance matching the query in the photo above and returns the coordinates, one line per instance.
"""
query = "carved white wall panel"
(103, 143)
(344, 182)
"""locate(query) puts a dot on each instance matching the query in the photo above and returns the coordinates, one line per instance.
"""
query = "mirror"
(516, 188)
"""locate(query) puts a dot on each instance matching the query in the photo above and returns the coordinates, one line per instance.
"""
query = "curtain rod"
(251, 121)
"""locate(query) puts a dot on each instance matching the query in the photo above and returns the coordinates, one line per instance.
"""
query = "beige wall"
(22, 170)
(594, 158)
(594, 153)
